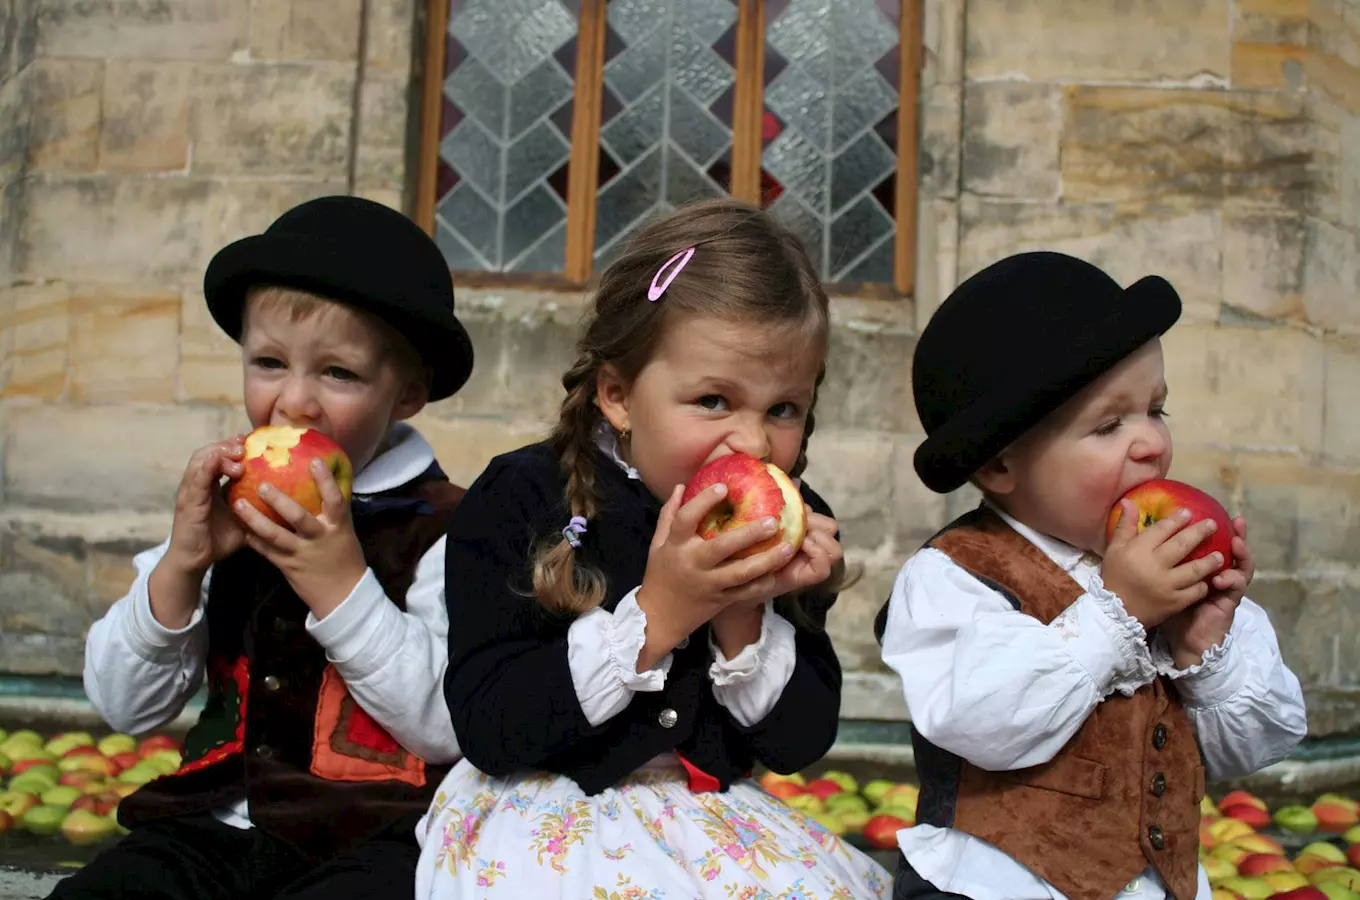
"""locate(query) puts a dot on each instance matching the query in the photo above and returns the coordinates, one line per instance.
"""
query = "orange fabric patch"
(349, 745)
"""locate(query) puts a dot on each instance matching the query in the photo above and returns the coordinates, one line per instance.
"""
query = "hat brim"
(969, 440)
(292, 261)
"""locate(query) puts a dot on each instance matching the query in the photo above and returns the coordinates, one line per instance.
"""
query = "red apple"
(823, 787)
(1353, 855)
(1262, 863)
(784, 789)
(1256, 818)
(125, 760)
(755, 490)
(1334, 816)
(881, 831)
(1308, 863)
(155, 744)
(88, 762)
(1301, 893)
(282, 456)
(24, 765)
(1233, 798)
(1157, 499)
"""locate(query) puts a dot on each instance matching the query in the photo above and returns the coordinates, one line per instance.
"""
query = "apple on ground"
(165, 762)
(770, 778)
(99, 804)
(828, 821)
(44, 820)
(1162, 497)
(784, 789)
(1263, 864)
(844, 779)
(16, 803)
(123, 789)
(1207, 839)
(1334, 815)
(32, 782)
(755, 490)
(6, 822)
(1337, 892)
(1233, 798)
(874, 790)
(1295, 818)
(140, 774)
(853, 817)
(822, 787)
(23, 752)
(1207, 807)
(67, 741)
(125, 760)
(1217, 868)
(88, 762)
(1252, 815)
(1231, 852)
(157, 742)
(83, 827)
(282, 455)
(1218, 893)
(35, 764)
(113, 744)
(1285, 881)
(61, 795)
(1353, 855)
(881, 831)
(1260, 843)
(844, 802)
(24, 736)
(1308, 863)
(1306, 892)
(1342, 875)
(1249, 888)
(807, 803)
(5, 763)
(1325, 849)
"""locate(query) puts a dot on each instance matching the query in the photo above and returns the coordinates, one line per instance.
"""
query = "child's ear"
(415, 393)
(995, 477)
(611, 396)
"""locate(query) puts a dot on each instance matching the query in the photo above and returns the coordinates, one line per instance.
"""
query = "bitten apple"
(1157, 499)
(282, 456)
(755, 490)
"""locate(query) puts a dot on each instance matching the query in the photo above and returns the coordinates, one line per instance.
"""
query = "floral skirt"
(647, 838)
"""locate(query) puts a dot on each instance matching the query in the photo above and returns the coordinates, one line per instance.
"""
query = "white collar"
(1064, 555)
(608, 443)
(407, 455)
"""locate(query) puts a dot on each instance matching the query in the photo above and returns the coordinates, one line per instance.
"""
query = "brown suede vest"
(280, 726)
(1123, 793)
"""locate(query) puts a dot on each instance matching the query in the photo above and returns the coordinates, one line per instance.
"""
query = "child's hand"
(1192, 633)
(1146, 570)
(320, 556)
(689, 579)
(203, 532)
(739, 624)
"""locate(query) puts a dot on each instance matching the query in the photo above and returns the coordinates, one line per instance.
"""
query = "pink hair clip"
(656, 290)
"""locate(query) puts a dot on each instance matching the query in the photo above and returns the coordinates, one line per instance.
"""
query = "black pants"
(199, 858)
(907, 885)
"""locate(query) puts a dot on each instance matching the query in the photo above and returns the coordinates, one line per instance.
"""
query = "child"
(614, 675)
(1063, 691)
(324, 643)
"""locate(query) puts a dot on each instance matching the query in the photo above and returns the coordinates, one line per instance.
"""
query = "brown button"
(1158, 784)
(271, 683)
(1155, 838)
(1159, 737)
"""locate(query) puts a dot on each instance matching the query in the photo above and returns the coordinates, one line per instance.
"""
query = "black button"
(1159, 737)
(1158, 784)
(264, 751)
(1155, 838)
(271, 683)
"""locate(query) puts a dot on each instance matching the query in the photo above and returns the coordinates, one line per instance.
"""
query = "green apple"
(828, 821)
(807, 803)
(44, 819)
(1298, 819)
(5, 763)
(165, 761)
(1352, 835)
(1326, 850)
(845, 802)
(61, 795)
(112, 744)
(32, 783)
(907, 814)
(83, 827)
(68, 741)
(874, 790)
(1247, 887)
(844, 779)
(4, 735)
(1337, 891)
(854, 818)
(140, 773)
(24, 751)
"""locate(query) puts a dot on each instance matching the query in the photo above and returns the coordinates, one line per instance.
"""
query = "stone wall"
(1212, 141)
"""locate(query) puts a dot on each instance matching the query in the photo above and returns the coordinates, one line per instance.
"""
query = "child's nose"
(1150, 444)
(750, 438)
(297, 401)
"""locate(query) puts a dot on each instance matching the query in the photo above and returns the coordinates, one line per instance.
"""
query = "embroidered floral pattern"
(488, 870)
(562, 825)
(626, 890)
(459, 840)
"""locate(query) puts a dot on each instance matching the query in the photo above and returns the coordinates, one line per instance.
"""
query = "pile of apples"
(72, 783)
(1244, 864)
(877, 811)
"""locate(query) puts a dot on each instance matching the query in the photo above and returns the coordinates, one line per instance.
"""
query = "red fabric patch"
(700, 782)
(363, 730)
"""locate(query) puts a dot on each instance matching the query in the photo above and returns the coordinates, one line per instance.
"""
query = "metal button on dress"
(264, 751)
(668, 718)
(1155, 838)
(1159, 737)
(1158, 784)
(271, 683)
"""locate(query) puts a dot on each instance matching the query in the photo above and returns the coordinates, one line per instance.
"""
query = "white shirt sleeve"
(139, 674)
(1245, 704)
(393, 662)
(751, 683)
(602, 653)
(993, 685)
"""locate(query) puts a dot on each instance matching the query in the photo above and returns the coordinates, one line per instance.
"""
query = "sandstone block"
(111, 572)
(13, 199)
(850, 623)
(464, 446)
(1098, 40)
(937, 256)
(942, 34)
(390, 34)
(917, 511)
(16, 110)
(39, 328)
(1332, 273)
(520, 361)
(1263, 264)
(1333, 66)
(18, 37)
(271, 119)
(383, 108)
(305, 29)
(1309, 515)
(241, 207)
(124, 344)
(1341, 435)
(868, 381)
(1128, 241)
(209, 361)
(99, 229)
(1010, 139)
(64, 135)
(941, 118)
(1245, 386)
(146, 117)
(851, 471)
(141, 451)
(1138, 143)
(138, 29)
(1285, 601)
(1270, 43)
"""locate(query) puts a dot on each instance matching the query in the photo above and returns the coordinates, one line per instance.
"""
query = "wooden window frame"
(747, 147)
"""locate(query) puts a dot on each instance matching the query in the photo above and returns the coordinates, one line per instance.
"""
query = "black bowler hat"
(1012, 344)
(357, 252)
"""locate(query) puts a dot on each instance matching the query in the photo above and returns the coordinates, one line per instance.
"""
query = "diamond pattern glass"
(666, 131)
(830, 128)
(505, 134)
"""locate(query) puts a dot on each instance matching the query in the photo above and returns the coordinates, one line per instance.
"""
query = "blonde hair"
(298, 305)
(748, 268)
